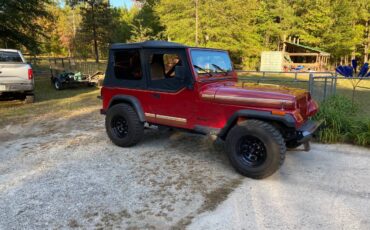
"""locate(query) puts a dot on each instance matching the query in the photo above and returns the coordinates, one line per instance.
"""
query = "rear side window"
(127, 65)
(6, 56)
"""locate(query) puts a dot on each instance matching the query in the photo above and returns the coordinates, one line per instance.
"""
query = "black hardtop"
(148, 44)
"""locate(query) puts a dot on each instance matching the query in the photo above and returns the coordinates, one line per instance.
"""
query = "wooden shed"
(308, 57)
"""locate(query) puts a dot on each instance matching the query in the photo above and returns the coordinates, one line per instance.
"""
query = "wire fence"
(321, 85)
(46, 65)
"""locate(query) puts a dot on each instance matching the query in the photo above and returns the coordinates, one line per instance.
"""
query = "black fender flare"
(288, 120)
(131, 100)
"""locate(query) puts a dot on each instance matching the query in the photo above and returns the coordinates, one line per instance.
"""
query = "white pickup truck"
(16, 76)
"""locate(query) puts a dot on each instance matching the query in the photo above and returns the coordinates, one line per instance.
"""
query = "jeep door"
(125, 77)
(168, 80)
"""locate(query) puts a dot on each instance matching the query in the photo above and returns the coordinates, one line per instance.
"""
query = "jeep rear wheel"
(123, 125)
(256, 149)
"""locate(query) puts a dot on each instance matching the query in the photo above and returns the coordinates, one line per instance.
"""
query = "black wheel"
(57, 84)
(293, 144)
(29, 99)
(256, 149)
(123, 125)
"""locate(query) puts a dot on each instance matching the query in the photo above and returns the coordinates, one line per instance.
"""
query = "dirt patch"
(215, 197)
(73, 224)
(211, 200)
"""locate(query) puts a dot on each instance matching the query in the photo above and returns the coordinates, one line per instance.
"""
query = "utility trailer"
(66, 79)
(69, 74)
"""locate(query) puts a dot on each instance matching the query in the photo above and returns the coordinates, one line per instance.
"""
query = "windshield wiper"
(219, 68)
(201, 69)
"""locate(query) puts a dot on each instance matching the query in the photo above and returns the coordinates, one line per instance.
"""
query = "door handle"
(156, 95)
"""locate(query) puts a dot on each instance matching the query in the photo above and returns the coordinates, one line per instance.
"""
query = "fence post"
(335, 82)
(331, 85)
(310, 84)
(295, 76)
(326, 83)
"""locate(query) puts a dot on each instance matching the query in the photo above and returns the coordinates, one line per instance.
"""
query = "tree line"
(86, 28)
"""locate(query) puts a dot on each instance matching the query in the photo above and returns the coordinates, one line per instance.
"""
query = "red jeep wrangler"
(196, 89)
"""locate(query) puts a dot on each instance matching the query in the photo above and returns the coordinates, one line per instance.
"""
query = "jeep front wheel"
(256, 149)
(123, 125)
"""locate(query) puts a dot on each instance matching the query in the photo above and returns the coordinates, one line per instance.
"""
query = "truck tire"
(123, 125)
(29, 99)
(255, 148)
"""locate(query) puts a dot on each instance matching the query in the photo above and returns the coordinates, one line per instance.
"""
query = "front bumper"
(306, 131)
(16, 87)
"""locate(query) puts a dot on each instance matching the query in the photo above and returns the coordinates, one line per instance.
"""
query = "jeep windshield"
(211, 62)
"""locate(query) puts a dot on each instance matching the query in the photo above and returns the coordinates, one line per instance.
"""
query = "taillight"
(30, 74)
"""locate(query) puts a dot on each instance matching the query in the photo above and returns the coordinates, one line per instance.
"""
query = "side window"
(127, 65)
(170, 63)
(162, 66)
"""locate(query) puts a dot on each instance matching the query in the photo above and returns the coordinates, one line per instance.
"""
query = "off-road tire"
(293, 144)
(133, 128)
(29, 99)
(266, 137)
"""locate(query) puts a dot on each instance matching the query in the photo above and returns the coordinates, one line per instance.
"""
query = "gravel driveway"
(65, 173)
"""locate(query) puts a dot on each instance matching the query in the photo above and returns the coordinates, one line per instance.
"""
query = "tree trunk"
(267, 40)
(94, 34)
(284, 45)
(367, 41)
(346, 60)
(196, 23)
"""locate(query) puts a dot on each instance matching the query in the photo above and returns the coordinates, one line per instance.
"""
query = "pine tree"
(96, 26)
(18, 23)
(221, 24)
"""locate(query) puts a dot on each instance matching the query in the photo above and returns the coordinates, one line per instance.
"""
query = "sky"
(120, 3)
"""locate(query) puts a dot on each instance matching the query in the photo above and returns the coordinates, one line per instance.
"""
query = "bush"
(360, 132)
(340, 123)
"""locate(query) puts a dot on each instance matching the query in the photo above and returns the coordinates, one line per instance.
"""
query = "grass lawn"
(49, 102)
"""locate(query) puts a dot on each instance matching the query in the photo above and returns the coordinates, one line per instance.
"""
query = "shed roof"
(147, 44)
(308, 48)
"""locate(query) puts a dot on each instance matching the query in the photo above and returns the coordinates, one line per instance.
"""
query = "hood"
(254, 95)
